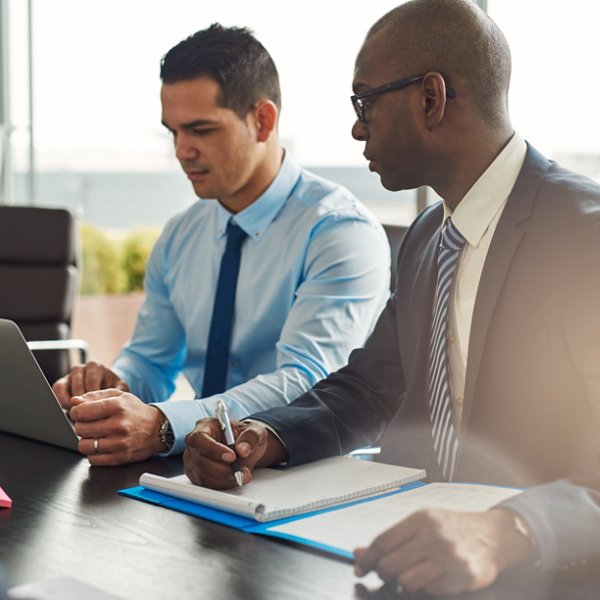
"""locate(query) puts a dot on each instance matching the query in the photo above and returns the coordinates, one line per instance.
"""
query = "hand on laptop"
(207, 460)
(86, 378)
(115, 427)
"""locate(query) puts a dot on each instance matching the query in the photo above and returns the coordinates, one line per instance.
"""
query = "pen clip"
(223, 417)
(221, 414)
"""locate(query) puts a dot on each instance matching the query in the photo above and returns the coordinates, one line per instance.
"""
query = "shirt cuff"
(182, 415)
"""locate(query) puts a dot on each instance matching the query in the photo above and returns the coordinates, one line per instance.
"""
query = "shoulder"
(558, 187)
(425, 224)
(561, 182)
(558, 209)
(319, 198)
(184, 226)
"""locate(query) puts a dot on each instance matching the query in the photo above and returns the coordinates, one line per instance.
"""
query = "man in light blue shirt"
(313, 273)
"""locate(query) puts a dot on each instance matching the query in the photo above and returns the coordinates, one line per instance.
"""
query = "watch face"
(166, 433)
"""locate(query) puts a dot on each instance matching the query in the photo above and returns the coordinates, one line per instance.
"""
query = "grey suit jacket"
(533, 373)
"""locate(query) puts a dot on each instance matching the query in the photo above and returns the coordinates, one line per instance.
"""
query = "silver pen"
(225, 423)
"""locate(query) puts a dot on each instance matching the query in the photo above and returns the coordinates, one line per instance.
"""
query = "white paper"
(59, 588)
(356, 526)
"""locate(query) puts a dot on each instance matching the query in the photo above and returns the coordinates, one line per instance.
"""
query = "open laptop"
(28, 406)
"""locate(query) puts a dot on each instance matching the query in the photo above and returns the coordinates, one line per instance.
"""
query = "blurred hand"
(86, 378)
(207, 460)
(445, 552)
(125, 428)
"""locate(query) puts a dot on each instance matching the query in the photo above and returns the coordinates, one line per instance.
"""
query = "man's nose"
(184, 150)
(359, 131)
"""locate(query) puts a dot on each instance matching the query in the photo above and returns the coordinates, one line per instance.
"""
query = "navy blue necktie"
(219, 336)
(445, 441)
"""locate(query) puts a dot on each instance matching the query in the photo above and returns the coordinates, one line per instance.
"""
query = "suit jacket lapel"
(505, 242)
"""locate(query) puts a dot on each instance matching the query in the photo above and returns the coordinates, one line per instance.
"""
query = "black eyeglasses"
(358, 100)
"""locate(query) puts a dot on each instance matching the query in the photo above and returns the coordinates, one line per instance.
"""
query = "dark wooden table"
(67, 519)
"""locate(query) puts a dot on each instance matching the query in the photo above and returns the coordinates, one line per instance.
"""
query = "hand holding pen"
(205, 462)
(223, 417)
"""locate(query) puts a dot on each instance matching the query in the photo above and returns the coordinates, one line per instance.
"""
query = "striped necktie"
(219, 336)
(445, 441)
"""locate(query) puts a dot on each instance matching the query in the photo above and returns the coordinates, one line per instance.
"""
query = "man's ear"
(265, 119)
(434, 99)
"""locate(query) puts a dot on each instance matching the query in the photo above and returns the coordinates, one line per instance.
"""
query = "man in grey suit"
(485, 364)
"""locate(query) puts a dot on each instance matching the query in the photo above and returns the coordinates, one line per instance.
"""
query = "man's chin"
(204, 192)
(395, 184)
(391, 185)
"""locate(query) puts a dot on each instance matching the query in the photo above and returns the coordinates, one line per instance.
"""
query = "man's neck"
(469, 167)
(263, 176)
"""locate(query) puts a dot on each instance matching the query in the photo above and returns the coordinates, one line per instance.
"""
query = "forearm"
(145, 380)
(261, 393)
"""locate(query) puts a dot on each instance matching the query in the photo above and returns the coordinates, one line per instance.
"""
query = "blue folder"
(250, 525)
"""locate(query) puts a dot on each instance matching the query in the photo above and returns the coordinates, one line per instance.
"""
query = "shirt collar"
(256, 218)
(489, 193)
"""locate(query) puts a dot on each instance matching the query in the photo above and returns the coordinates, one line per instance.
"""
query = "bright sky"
(97, 85)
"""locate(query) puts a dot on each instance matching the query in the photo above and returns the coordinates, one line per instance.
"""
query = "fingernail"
(244, 449)
(226, 457)
(247, 475)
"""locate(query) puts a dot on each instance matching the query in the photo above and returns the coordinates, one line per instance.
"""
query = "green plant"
(100, 262)
(113, 262)
(135, 252)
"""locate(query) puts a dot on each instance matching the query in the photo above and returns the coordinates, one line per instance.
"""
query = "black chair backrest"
(395, 234)
(38, 277)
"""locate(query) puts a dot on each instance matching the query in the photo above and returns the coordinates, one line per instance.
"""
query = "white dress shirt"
(314, 276)
(476, 217)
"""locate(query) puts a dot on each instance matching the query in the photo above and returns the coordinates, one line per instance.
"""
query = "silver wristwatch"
(166, 435)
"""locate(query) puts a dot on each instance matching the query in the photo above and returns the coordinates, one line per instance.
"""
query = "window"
(99, 144)
(555, 49)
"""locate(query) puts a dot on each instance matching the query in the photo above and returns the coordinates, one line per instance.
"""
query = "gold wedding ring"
(96, 445)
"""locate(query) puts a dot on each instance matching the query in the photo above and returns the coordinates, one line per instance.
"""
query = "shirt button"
(451, 338)
(459, 401)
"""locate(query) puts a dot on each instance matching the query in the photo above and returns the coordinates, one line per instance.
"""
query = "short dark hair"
(233, 58)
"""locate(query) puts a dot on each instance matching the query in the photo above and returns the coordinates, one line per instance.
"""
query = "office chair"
(38, 282)
(395, 234)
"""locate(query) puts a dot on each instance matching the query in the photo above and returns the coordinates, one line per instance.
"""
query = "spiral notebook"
(280, 493)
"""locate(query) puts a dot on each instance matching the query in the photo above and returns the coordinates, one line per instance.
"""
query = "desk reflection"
(68, 519)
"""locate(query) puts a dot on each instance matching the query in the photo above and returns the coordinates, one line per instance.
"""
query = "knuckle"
(465, 567)
(120, 445)
(386, 568)
(207, 425)
(427, 517)
(189, 440)
(121, 430)
(76, 373)
(119, 406)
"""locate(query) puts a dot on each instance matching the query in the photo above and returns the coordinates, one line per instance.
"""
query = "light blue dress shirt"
(314, 276)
